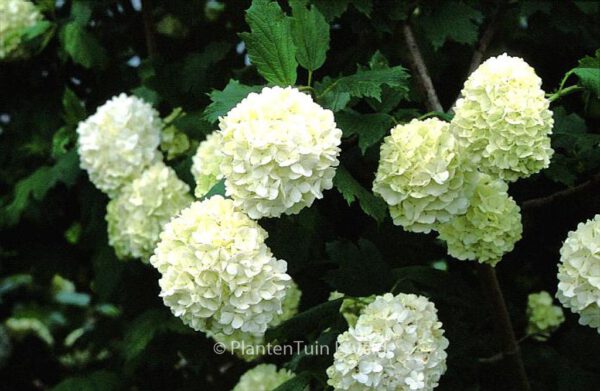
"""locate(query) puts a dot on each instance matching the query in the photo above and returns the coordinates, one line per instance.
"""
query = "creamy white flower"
(397, 344)
(118, 142)
(280, 152)
(542, 315)
(218, 275)
(422, 175)
(489, 229)
(503, 120)
(15, 17)
(263, 377)
(206, 166)
(579, 273)
(138, 214)
(251, 346)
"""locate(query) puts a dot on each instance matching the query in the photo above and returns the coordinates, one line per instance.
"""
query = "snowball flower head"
(138, 214)
(503, 120)
(397, 344)
(251, 346)
(206, 166)
(489, 229)
(118, 142)
(16, 17)
(218, 275)
(543, 316)
(263, 377)
(280, 152)
(579, 273)
(421, 175)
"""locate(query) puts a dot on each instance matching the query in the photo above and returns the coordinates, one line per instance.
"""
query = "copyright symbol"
(219, 348)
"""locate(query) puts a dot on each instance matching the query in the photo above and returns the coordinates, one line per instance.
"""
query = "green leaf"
(588, 73)
(38, 184)
(96, 381)
(297, 383)
(310, 32)
(361, 271)
(270, 45)
(73, 110)
(451, 20)
(364, 83)
(83, 48)
(217, 189)
(223, 101)
(332, 9)
(370, 128)
(351, 190)
(16, 281)
(195, 76)
(72, 298)
(316, 318)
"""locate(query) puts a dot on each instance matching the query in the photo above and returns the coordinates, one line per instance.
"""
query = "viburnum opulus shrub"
(279, 195)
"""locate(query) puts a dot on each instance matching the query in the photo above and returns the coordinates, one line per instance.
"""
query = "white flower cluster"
(218, 275)
(263, 377)
(15, 17)
(397, 344)
(247, 345)
(489, 229)
(280, 152)
(579, 273)
(206, 166)
(118, 142)
(543, 317)
(137, 215)
(503, 120)
(422, 176)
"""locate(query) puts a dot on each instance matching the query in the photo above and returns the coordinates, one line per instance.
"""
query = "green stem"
(309, 82)
(564, 92)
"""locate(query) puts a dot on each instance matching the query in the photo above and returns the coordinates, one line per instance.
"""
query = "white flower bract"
(206, 166)
(263, 377)
(138, 214)
(15, 17)
(397, 344)
(579, 273)
(218, 275)
(503, 120)
(118, 142)
(489, 229)
(280, 152)
(543, 316)
(251, 346)
(421, 175)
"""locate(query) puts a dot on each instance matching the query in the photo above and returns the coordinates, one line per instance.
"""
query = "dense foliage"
(77, 313)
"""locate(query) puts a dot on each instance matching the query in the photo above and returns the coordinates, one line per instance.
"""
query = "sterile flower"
(206, 166)
(579, 273)
(542, 315)
(263, 377)
(137, 215)
(422, 175)
(16, 16)
(118, 142)
(503, 120)
(280, 152)
(251, 346)
(397, 344)
(489, 229)
(218, 275)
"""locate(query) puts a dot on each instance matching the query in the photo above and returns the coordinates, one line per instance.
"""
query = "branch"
(149, 28)
(484, 41)
(560, 195)
(419, 67)
(511, 353)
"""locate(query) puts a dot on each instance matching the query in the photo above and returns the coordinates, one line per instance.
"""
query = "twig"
(419, 67)
(511, 352)
(543, 201)
(149, 28)
(484, 41)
